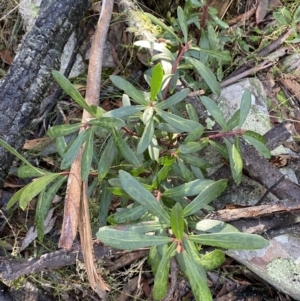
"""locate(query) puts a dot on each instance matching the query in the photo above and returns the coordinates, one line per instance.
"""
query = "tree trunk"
(28, 79)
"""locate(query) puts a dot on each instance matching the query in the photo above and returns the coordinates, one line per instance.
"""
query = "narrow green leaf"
(69, 89)
(195, 135)
(182, 23)
(193, 115)
(63, 130)
(15, 198)
(258, 142)
(26, 171)
(124, 111)
(142, 227)
(236, 162)
(194, 160)
(214, 110)
(105, 200)
(210, 192)
(87, 156)
(163, 26)
(107, 158)
(136, 95)
(232, 241)
(223, 56)
(197, 278)
(156, 81)
(187, 189)
(234, 120)
(220, 149)
(161, 175)
(35, 187)
(15, 153)
(153, 149)
(172, 100)
(146, 137)
(43, 205)
(124, 149)
(177, 221)
(127, 215)
(147, 115)
(214, 226)
(72, 151)
(207, 74)
(178, 122)
(128, 240)
(193, 147)
(186, 174)
(61, 145)
(107, 122)
(143, 196)
(245, 107)
(162, 274)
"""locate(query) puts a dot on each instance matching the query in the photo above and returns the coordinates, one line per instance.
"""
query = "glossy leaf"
(210, 192)
(146, 137)
(124, 149)
(107, 122)
(35, 187)
(148, 114)
(178, 122)
(15, 198)
(73, 150)
(197, 278)
(124, 111)
(207, 74)
(161, 278)
(236, 162)
(182, 22)
(69, 89)
(214, 110)
(245, 107)
(128, 240)
(136, 95)
(153, 149)
(187, 189)
(177, 221)
(193, 147)
(143, 196)
(87, 156)
(214, 226)
(160, 47)
(63, 130)
(156, 81)
(107, 158)
(251, 138)
(231, 241)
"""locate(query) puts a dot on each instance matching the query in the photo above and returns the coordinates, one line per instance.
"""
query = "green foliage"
(149, 158)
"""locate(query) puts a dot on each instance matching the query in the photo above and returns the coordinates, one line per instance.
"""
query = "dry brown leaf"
(6, 56)
(262, 10)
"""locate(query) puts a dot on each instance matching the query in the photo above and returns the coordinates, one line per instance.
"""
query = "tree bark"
(28, 79)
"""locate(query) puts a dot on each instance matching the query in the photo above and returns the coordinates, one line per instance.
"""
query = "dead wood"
(28, 79)
(11, 269)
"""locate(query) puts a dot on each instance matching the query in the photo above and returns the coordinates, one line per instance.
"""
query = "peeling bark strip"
(24, 86)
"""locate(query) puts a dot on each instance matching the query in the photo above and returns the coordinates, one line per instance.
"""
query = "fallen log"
(29, 77)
